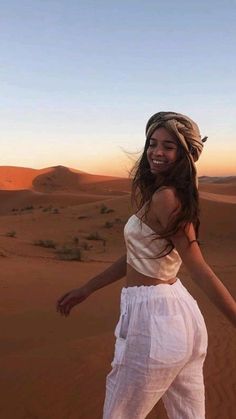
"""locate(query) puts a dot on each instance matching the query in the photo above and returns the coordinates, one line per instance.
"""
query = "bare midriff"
(135, 278)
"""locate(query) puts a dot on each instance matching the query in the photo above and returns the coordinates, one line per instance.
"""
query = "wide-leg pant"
(161, 344)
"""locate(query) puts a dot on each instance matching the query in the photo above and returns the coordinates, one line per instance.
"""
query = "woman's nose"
(158, 151)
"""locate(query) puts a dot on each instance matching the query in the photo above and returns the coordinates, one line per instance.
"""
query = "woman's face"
(162, 150)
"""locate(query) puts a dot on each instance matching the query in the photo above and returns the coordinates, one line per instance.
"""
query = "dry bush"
(108, 224)
(105, 210)
(86, 246)
(45, 209)
(95, 236)
(49, 244)
(11, 233)
(70, 253)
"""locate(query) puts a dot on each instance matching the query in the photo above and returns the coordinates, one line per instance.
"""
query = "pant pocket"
(168, 339)
(121, 332)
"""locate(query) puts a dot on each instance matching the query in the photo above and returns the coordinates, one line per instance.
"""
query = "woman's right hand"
(70, 299)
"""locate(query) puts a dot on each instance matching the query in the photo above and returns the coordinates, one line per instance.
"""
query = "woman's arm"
(115, 272)
(165, 204)
(203, 276)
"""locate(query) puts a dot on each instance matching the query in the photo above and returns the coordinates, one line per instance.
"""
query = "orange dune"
(230, 199)
(21, 187)
(52, 367)
(25, 199)
(52, 179)
(222, 186)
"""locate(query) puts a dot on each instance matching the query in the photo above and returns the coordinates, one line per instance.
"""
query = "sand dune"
(24, 200)
(58, 178)
(23, 188)
(230, 199)
(14, 178)
(217, 180)
(223, 188)
(53, 367)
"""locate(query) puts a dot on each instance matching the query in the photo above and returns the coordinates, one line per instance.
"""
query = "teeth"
(158, 162)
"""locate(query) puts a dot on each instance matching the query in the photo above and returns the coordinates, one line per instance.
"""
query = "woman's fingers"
(63, 306)
(65, 303)
(70, 299)
(62, 298)
(68, 309)
(64, 310)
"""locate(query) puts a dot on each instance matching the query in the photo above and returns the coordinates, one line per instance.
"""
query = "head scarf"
(185, 129)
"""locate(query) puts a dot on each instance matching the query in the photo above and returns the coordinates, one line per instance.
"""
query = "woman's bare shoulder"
(167, 196)
(165, 204)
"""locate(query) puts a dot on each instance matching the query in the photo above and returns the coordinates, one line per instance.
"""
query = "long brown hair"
(181, 176)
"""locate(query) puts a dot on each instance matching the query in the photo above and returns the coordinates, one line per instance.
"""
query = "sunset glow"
(79, 81)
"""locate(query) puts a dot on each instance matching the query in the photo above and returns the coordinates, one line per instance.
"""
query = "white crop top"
(142, 251)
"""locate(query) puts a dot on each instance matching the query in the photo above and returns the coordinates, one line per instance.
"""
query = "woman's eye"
(167, 147)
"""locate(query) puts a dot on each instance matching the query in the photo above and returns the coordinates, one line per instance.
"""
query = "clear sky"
(79, 79)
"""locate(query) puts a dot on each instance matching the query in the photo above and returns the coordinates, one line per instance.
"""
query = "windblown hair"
(181, 176)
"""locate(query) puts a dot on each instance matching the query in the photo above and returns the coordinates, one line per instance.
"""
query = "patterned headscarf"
(185, 129)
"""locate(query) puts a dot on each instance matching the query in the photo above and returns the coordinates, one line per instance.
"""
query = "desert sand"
(54, 367)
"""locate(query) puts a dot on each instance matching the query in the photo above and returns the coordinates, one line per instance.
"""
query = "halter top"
(144, 247)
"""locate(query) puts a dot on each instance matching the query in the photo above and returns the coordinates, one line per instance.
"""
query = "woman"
(161, 337)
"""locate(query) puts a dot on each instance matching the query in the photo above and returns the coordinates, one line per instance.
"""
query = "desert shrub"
(86, 246)
(105, 210)
(94, 236)
(82, 217)
(70, 253)
(11, 233)
(76, 240)
(49, 244)
(47, 209)
(108, 224)
(109, 210)
(29, 207)
(55, 211)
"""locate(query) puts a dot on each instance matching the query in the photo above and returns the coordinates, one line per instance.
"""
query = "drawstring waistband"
(154, 291)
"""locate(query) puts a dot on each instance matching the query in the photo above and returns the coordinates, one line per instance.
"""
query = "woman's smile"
(157, 165)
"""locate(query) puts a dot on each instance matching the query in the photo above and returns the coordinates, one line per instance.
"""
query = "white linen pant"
(161, 344)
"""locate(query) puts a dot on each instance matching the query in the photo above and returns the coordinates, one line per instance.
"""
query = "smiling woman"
(161, 336)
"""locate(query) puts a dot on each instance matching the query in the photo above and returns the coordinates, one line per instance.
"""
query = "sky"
(79, 80)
